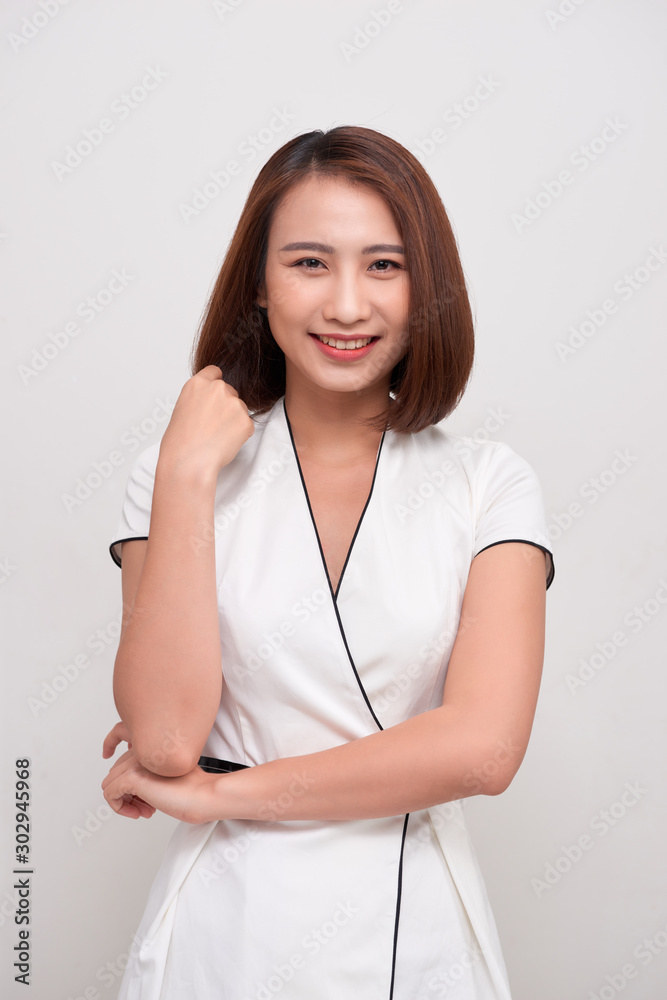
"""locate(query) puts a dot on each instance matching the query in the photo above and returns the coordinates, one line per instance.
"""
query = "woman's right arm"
(167, 677)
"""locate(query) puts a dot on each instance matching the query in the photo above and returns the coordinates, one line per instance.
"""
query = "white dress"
(393, 908)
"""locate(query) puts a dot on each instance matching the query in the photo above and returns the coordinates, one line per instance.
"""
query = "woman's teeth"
(345, 345)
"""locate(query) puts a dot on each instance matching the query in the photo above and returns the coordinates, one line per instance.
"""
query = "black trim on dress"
(399, 891)
(347, 557)
(216, 766)
(334, 596)
(132, 538)
(552, 571)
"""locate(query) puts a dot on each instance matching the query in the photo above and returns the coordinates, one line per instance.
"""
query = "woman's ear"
(261, 297)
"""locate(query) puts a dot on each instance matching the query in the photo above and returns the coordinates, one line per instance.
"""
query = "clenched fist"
(208, 425)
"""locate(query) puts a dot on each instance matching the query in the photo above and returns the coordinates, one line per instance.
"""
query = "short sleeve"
(510, 506)
(135, 516)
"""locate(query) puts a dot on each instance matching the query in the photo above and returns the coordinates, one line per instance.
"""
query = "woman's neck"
(329, 427)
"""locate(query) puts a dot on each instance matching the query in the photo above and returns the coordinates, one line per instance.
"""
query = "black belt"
(215, 766)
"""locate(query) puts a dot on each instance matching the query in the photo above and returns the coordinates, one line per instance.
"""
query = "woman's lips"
(347, 353)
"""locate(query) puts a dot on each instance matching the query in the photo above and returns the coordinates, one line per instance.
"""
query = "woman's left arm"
(472, 744)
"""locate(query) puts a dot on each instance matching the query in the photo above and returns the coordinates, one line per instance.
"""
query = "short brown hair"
(234, 333)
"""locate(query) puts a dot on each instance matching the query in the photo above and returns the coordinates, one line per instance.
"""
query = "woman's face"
(335, 269)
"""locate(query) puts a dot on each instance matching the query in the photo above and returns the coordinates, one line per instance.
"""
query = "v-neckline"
(335, 592)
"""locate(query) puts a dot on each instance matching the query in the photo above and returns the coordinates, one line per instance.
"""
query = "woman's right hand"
(208, 425)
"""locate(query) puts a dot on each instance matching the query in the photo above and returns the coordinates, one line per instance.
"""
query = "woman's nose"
(346, 300)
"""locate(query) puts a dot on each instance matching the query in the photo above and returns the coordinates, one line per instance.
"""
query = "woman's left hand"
(131, 790)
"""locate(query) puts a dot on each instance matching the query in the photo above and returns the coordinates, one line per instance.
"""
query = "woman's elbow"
(500, 783)
(494, 769)
(170, 756)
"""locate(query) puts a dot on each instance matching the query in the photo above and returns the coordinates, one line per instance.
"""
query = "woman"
(322, 553)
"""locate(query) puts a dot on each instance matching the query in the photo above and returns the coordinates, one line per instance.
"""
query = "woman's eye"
(392, 264)
(313, 264)
(308, 260)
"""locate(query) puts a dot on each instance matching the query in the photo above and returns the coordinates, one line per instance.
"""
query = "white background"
(552, 84)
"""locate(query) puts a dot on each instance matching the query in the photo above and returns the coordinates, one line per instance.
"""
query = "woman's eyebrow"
(326, 248)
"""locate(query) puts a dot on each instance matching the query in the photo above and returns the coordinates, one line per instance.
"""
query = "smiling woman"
(344, 304)
(313, 685)
(392, 227)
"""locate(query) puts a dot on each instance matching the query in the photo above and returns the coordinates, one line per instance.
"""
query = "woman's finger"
(211, 372)
(117, 735)
(119, 767)
(117, 789)
(134, 807)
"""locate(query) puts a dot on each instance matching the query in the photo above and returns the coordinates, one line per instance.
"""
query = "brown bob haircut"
(429, 381)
